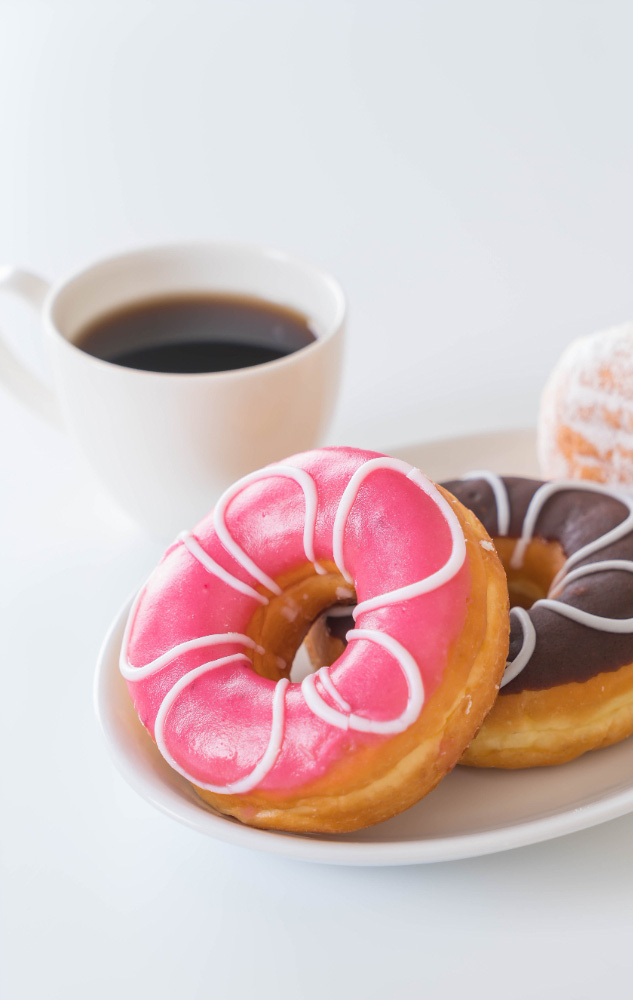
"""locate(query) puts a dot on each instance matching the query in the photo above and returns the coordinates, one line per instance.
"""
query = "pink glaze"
(218, 729)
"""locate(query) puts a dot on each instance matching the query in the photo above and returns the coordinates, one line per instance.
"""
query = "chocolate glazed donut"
(567, 548)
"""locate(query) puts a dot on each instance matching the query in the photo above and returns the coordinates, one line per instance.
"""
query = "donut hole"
(281, 626)
(325, 639)
(541, 563)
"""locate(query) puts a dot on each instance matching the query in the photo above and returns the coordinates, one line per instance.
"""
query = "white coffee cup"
(166, 445)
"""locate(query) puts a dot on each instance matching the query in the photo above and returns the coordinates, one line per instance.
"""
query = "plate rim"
(306, 847)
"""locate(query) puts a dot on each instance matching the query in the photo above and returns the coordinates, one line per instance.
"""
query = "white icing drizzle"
(307, 484)
(342, 717)
(537, 503)
(193, 545)
(266, 762)
(521, 660)
(349, 720)
(432, 582)
(598, 567)
(500, 493)
(617, 625)
(221, 639)
(328, 684)
(598, 622)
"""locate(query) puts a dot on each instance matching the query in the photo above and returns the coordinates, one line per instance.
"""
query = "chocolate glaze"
(565, 651)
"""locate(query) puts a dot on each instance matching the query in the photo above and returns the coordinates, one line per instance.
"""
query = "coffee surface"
(196, 334)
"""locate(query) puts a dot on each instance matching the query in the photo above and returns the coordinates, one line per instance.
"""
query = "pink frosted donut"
(210, 639)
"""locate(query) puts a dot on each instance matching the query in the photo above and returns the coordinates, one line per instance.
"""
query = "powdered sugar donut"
(211, 637)
(586, 417)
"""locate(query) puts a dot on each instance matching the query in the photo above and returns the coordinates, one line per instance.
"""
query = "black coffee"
(196, 333)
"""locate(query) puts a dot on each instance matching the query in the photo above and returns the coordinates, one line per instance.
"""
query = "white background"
(466, 170)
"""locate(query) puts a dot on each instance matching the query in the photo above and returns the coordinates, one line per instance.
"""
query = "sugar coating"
(586, 416)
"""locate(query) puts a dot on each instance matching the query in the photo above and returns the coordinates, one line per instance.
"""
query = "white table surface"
(465, 169)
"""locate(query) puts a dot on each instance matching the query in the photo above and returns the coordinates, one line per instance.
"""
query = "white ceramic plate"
(472, 812)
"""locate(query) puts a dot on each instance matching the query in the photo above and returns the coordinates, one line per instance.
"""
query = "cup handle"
(28, 388)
